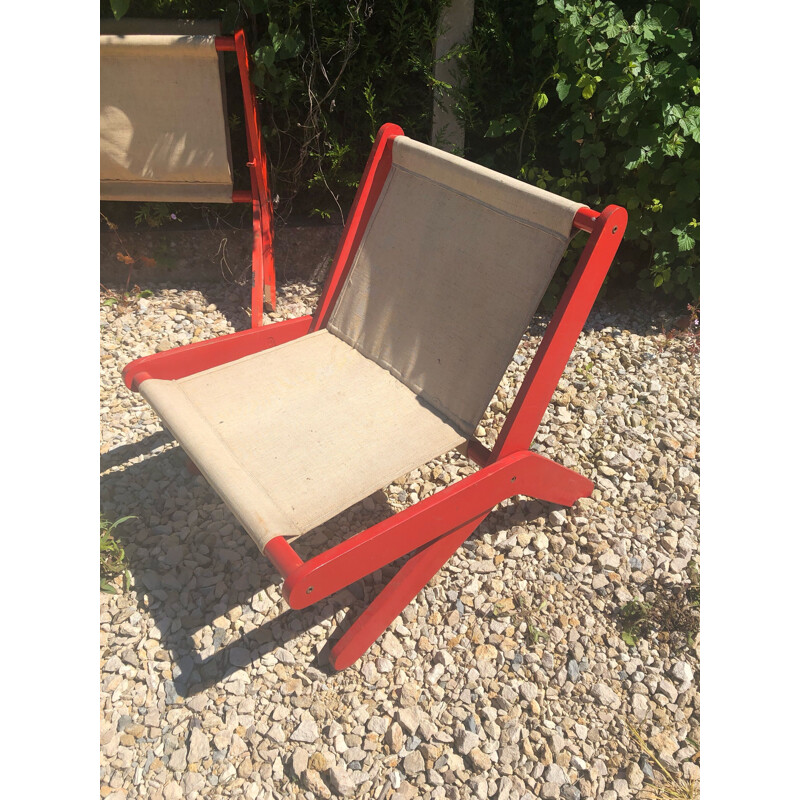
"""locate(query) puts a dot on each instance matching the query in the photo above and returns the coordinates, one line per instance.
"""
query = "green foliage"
(672, 610)
(635, 617)
(112, 556)
(154, 215)
(120, 8)
(329, 74)
(593, 99)
(598, 101)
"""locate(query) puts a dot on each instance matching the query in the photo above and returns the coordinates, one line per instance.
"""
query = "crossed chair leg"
(432, 530)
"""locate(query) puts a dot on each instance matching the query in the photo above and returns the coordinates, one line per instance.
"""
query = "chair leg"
(546, 480)
(263, 289)
(257, 288)
(397, 594)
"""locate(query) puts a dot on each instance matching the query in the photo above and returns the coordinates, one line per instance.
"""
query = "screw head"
(615, 229)
(309, 590)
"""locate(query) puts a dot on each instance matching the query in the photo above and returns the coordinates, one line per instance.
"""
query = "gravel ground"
(506, 678)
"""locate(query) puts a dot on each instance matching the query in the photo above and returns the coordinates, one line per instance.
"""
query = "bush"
(329, 73)
(588, 98)
(599, 101)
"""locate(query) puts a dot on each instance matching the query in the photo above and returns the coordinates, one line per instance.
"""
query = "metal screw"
(614, 229)
(513, 479)
(309, 590)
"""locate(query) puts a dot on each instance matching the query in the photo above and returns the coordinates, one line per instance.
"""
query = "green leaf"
(624, 94)
(685, 241)
(629, 639)
(106, 587)
(658, 280)
(588, 91)
(540, 100)
(502, 127)
(562, 89)
(594, 62)
(120, 521)
(120, 8)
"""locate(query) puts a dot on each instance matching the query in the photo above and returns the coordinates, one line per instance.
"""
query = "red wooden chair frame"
(434, 528)
(259, 194)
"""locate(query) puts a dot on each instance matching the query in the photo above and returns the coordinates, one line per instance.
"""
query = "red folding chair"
(438, 272)
(164, 133)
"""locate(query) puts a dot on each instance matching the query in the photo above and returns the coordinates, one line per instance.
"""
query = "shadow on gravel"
(193, 578)
(625, 309)
(232, 298)
(222, 573)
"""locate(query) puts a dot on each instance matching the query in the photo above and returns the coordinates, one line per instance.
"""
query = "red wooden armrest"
(191, 358)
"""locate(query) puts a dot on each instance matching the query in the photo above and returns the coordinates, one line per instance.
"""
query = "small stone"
(678, 508)
(299, 761)
(394, 738)
(573, 670)
(550, 791)
(465, 741)
(541, 541)
(691, 771)
(312, 780)
(413, 763)
(485, 652)
(555, 774)
(620, 786)
(392, 646)
(370, 672)
(663, 742)
(410, 719)
(283, 655)
(599, 581)
(193, 782)
(682, 672)
(306, 731)
(341, 781)
(666, 688)
(479, 759)
(508, 755)
(409, 695)
(609, 560)
(635, 775)
(199, 746)
(479, 786)
(178, 760)
(606, 695)
(569, 792)
(640, 705)
(173, 791)
(318, 762)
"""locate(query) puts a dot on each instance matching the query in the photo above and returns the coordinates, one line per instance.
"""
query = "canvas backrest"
(453, 264)
(163, 120)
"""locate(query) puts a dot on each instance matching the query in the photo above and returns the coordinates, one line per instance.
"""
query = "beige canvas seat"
(439, 271)
(164, 133)
(163, 116)
(290, 436)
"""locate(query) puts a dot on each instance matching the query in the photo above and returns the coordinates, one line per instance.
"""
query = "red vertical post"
(562, 333)
(263, 257)
(375, 173)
